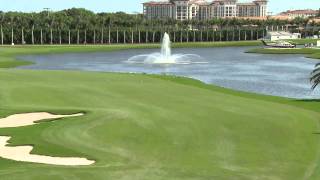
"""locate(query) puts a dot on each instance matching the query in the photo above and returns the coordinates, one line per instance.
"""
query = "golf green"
(157, 127)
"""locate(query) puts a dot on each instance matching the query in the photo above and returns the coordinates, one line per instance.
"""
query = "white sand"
(22, 153)
(28, 119)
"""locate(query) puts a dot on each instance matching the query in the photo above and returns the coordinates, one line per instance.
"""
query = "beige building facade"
(203, 10)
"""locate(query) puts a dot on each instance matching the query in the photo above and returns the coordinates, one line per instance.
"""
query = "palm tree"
(32, 23)
(94, 25)
(315, 76)
(12, 35)
(2, 21)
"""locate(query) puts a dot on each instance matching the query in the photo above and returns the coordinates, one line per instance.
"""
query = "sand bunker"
(28, 119)
(22, 153)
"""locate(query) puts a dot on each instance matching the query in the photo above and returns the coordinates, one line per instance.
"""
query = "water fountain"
(165, 56)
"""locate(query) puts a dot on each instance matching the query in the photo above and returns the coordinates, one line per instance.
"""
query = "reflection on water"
(279, 75)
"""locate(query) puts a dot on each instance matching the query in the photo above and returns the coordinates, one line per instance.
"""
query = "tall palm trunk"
(153, 37)
(188, 35)
(194, 36)
(12, 36)
(1, 35)
(41, 36)
(69, 37)
(51, 36)
(174, 36)
(22, 36)
(233, 35)
(85, 36)
(117, 35)
(245, 35)
(207, 35)
(239, 34)
(220, 36)
(124, 37)
(213, 36)
(78, 37)
(102, 36)
(181, 36)
(109, 36)
(94, 36)
(139, 36)
(227, 35)
(60, 38)
(251, 34)
(32, 35)
(132, 40)
(147, 38)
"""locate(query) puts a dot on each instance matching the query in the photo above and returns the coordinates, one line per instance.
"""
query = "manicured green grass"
(156, 127)
(304, 41)
(8, 53)
(310, 52)
(153, 127)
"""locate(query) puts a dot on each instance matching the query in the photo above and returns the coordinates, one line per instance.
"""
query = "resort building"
(202, 9)
(300, 13)
(281, 35)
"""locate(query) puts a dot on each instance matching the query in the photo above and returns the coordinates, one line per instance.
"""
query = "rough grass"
(156, 127)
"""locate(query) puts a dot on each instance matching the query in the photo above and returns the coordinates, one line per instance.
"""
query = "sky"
(130, 6)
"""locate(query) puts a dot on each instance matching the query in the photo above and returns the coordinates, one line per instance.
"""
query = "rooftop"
(305, 11)
(200, 2)
(280, 33)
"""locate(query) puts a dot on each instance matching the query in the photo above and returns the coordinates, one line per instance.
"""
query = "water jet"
(165, 56)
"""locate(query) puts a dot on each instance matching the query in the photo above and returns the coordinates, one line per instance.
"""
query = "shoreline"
(309, 53)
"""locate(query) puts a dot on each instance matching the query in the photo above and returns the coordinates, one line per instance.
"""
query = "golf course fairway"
(154, 127)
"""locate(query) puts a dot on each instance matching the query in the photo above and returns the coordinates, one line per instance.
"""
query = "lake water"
(230, 67)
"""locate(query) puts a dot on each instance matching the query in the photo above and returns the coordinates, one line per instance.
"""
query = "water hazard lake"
(230, 67)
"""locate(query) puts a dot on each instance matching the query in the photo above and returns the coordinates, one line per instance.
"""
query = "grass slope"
(155, 127)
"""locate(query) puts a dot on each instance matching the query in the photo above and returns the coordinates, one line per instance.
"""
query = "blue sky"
(129, 6)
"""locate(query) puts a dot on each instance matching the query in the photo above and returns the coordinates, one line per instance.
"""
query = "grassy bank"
(155, 127)
(9, 53)
(304, 41)
(309, 52)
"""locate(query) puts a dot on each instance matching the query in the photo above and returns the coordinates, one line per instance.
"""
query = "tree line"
(78, 26)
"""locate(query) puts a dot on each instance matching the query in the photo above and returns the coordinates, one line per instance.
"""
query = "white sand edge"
(28, 119)
(22, 153)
